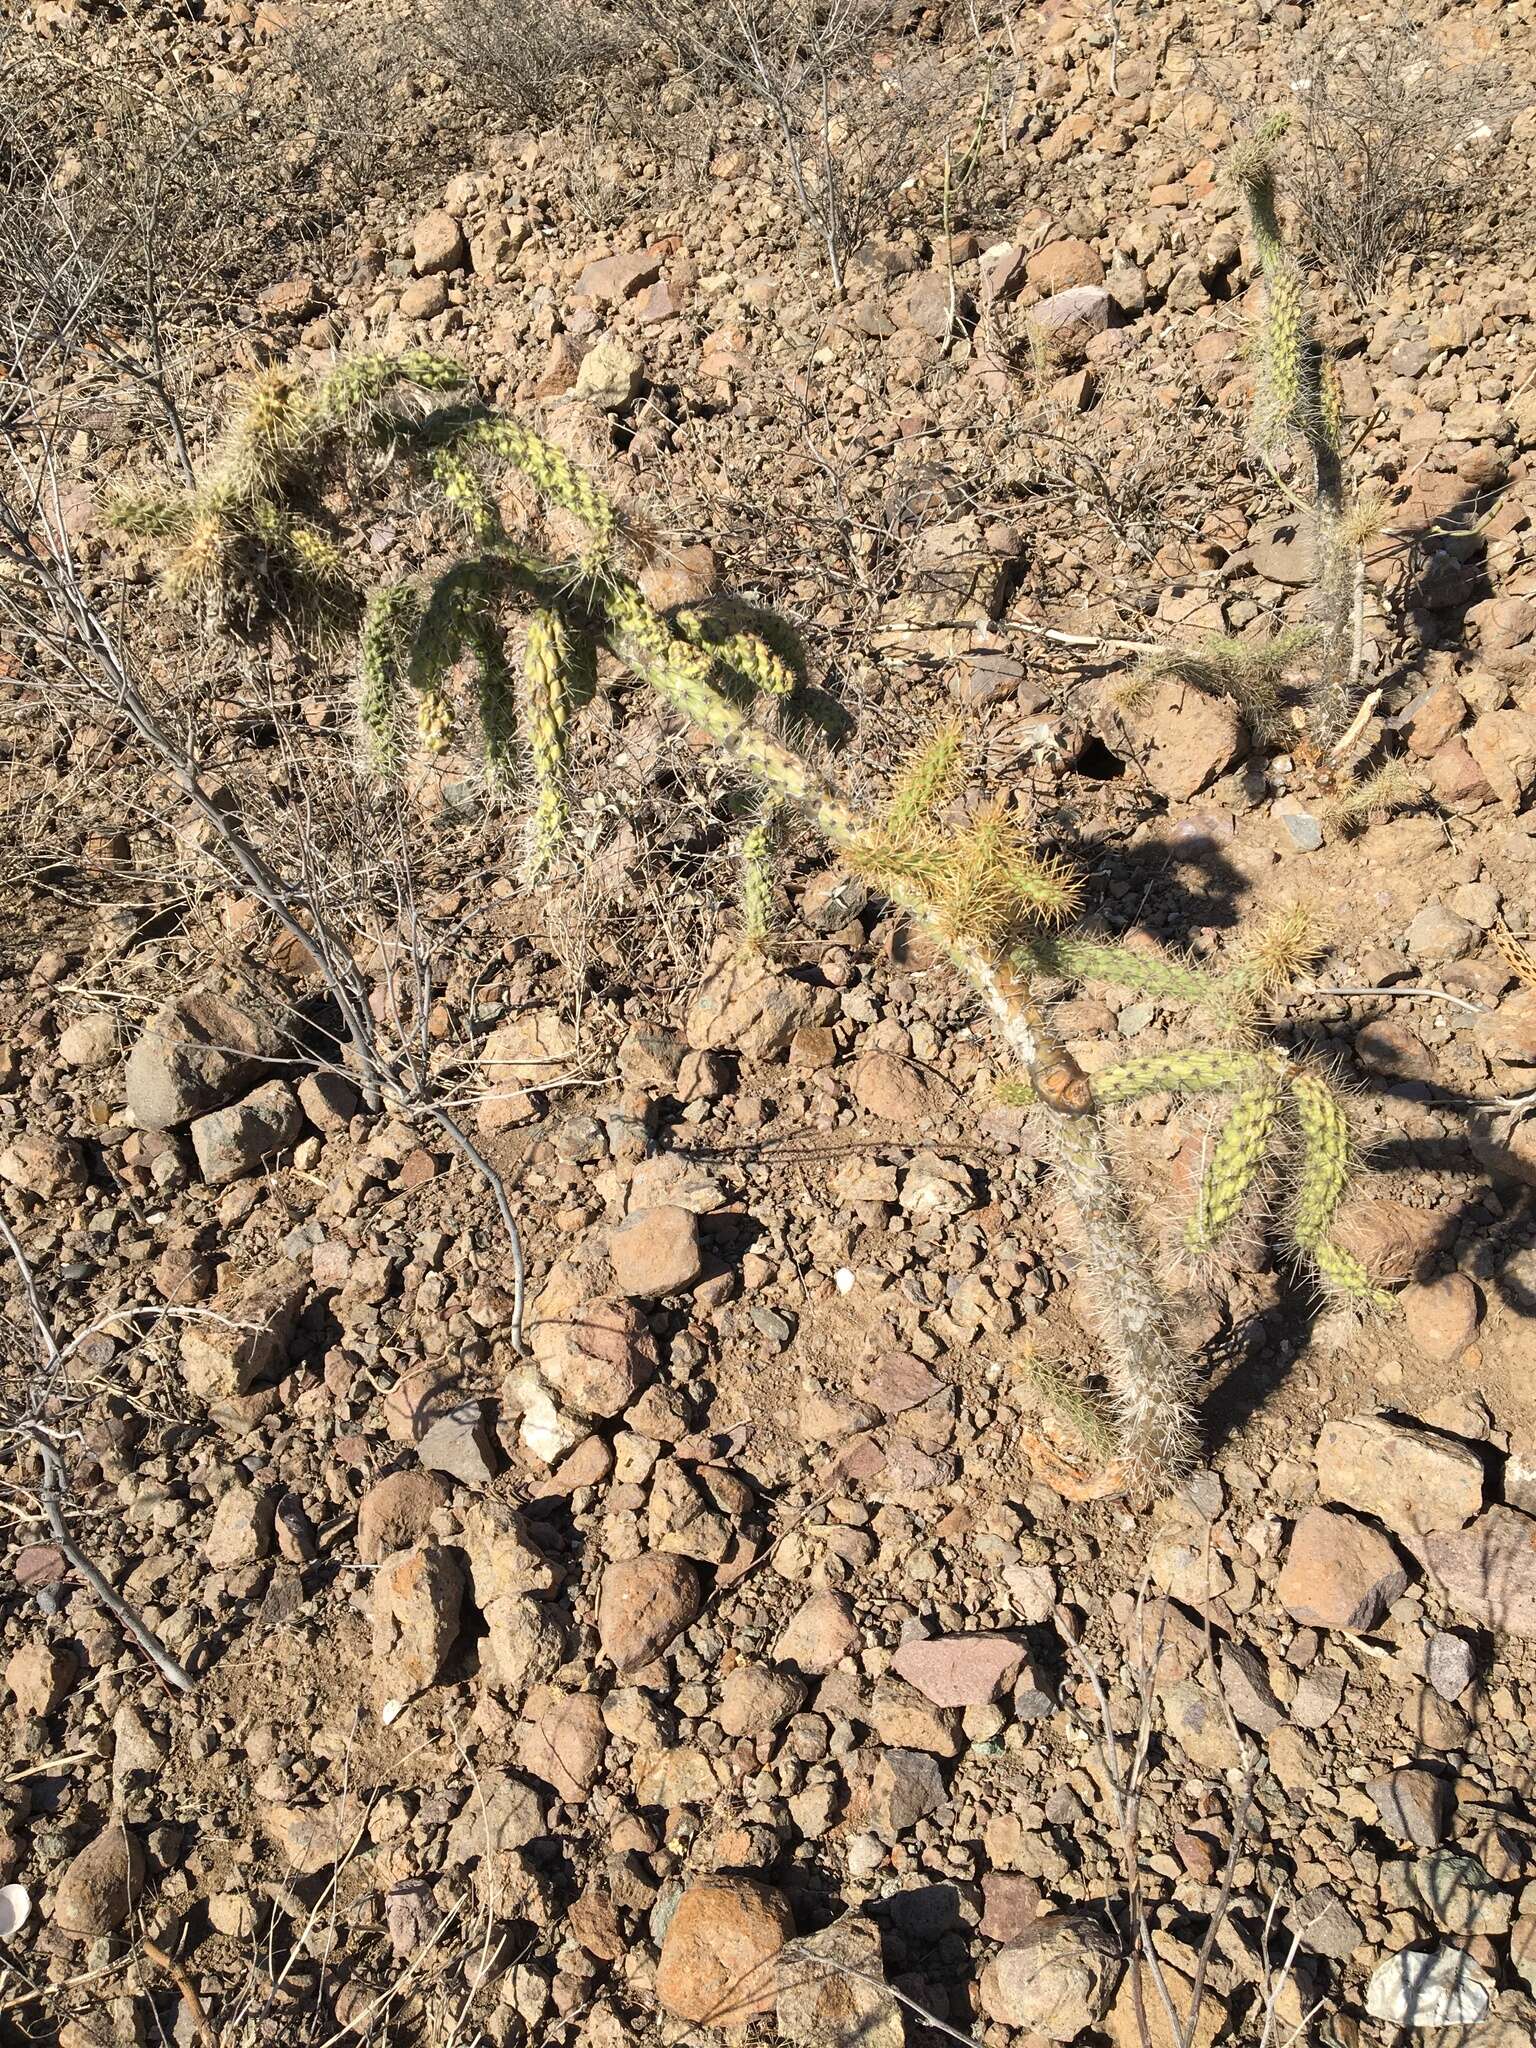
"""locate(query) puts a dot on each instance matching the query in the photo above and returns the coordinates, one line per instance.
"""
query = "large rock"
(1339, 1572)
(562, 1740)
(1069, 320)
(1191, 739)
(1057, 1979)
(610, 376)
(1060, 266)
(832, 1991)
(98, 1890)
(746, 1006)
(1441, 1316)
(1509, 1032)
(235, 1141)
(656, 1252)
(609, 279)
(503, 1813)
(44, 1166)
(644, 1603)
(246, 1336)
(819, 1634)
(310, 1839)
(415, 1603)
(38, 1675)
(195, 1054)
(396, 1512)
(528, 1052)
(1487, 1571)
(1409, 1479)
(899, 1090)
(1125, 2030)
(1440, 1987)
(438, 245)
(595, 1352)
(716, 1966)
(1503, 744)
(904, 1788)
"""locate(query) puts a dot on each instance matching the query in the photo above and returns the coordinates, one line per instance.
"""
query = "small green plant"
(995, 901)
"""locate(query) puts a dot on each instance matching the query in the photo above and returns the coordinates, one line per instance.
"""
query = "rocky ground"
(724, 1663)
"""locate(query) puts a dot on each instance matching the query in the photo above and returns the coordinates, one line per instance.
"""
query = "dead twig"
(196, 2011)
(51, 1493)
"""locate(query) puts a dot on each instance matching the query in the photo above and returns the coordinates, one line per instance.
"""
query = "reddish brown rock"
(656, 1252)
(960, 1671)
(645, 1602)
(1061, 265)
(595, 1352)
(1191, 739)
(716, 1966)
(1487, 1571)
(1441, 1317)
(1339, 1572)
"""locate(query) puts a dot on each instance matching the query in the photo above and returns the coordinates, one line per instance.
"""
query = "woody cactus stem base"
(990, 897)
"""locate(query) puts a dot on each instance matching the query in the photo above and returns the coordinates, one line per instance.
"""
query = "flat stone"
(960, 1671)
(1487, 1571)
(525, 1053)
(562, 1741)
(38, 1676)
(1325, 1924)
(1124, 2028)
(502, 1814)
(461, 1445)
(596, 1352)
(1450, 1664)
(1410, 1479)
(609, 280)
(42, 1165)
(1439, 1987)
(397, 1512)
(899, 1091)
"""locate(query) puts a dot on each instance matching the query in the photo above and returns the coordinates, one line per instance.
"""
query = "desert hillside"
(767, 1023)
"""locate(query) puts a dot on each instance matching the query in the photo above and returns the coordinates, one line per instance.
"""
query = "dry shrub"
(856, 116)
(1389, 142)
(528, 59)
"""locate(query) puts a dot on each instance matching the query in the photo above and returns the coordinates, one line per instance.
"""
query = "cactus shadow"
(1443, 575)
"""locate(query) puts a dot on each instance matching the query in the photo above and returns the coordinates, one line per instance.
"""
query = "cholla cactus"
(993, 899)
(1299, 403)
